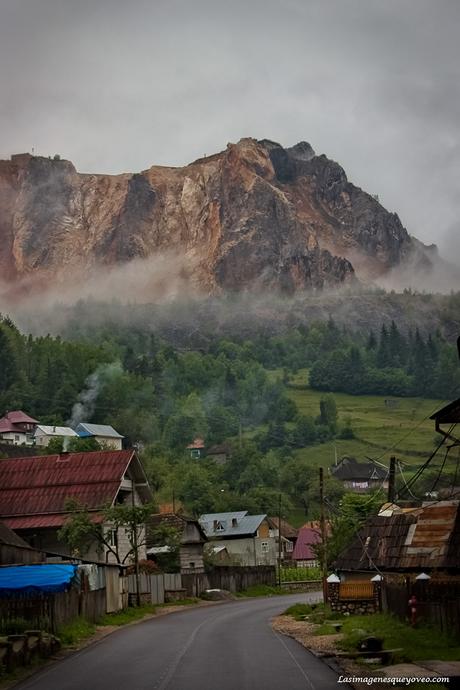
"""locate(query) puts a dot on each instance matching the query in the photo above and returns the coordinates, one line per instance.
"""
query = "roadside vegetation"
(415, 643)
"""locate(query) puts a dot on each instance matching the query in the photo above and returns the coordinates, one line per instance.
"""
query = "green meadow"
(383, 425)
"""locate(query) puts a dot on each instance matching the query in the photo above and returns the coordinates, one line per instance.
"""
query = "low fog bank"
(196, 321)
(163, 294)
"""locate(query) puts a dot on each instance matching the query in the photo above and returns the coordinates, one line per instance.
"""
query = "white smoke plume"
(84, 408)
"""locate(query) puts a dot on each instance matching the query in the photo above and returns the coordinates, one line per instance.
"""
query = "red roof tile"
(36, 488)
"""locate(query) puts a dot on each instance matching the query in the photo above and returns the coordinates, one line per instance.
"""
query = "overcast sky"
(117, 85)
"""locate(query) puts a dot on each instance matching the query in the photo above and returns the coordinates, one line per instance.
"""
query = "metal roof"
(306, 538)
(225, 525)
(19, 417)
(424, 538)
(97, 430)
(56, 430)
(34, 490)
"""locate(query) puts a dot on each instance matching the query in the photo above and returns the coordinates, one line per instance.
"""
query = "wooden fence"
(51, 611)
(154, 588)
(438, 602)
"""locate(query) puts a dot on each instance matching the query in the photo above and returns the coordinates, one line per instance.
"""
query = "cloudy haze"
(118, 86)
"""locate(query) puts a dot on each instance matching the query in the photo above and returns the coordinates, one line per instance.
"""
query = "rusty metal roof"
(425, 538)
(33, 490)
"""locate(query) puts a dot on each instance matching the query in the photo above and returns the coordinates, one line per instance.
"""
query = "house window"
(16, 438)
(289, 546)
(264, 546)
(195, 454)
(112, 538)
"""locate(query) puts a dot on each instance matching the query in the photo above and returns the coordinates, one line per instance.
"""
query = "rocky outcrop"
(255, 216)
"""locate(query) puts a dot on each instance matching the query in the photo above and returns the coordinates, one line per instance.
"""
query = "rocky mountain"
(255, 216)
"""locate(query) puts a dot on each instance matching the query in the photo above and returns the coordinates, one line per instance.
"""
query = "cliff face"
(254, 216)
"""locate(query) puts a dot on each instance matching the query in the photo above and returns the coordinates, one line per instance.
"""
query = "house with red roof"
(34, 492)
(304, 553)
(17, 428)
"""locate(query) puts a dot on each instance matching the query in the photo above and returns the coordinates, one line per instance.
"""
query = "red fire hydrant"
(413, 609)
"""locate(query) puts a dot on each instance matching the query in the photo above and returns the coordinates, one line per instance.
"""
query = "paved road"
(229, 646)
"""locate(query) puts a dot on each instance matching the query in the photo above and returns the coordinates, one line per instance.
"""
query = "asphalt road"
(229, 646)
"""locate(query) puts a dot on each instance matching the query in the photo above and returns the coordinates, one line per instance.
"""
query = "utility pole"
(135, 546)
(279, 541)
(391, 480)
(323, 533)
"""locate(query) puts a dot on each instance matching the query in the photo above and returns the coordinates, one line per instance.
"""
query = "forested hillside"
(235, 390)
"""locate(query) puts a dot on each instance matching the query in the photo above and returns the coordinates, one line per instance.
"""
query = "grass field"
(382, 425)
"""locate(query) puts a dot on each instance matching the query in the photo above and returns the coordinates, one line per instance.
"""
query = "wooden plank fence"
(438, 602)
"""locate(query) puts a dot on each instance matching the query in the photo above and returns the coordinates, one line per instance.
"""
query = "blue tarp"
(49, 577)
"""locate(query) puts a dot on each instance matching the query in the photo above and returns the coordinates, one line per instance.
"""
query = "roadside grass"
(298, 611)
(417, 644)
(133, 613)
(75, 631)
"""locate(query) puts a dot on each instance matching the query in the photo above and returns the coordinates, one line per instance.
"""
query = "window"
(112, 538)
(264, 546)
(289, 546)
(16, 438)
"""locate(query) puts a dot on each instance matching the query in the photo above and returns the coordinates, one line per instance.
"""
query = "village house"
(102, 433)
(405, 541)
(360, 476)
(288, 536)
(34, 493)
(191, 540)
(246, 537)
(196, 448)
(43, 434)
(17, 428)
(304, 555)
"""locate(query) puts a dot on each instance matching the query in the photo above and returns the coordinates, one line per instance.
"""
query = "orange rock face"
(255, 216)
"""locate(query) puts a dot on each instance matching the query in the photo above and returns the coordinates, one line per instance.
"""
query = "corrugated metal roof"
(42, 521)
(97, 430)
(306, 538)
(39, 486)
(230, 525)
(56, 430)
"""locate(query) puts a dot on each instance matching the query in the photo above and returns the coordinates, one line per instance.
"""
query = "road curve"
(229, 646)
